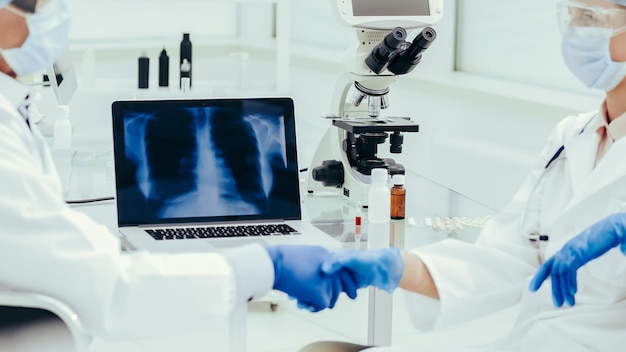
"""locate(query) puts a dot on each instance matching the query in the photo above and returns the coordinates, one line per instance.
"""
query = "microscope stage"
(370, 125)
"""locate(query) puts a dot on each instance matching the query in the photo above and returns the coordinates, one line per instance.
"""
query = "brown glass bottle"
(398, 197)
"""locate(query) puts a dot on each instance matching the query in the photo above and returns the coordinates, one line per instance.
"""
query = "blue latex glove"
(381, 268)
(598, 239)
(298, 273)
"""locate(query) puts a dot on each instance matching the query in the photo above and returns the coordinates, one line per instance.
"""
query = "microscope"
(347, 153)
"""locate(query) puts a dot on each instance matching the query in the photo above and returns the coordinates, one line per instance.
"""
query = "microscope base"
(355, 186)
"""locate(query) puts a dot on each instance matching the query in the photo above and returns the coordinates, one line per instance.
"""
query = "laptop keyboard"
(222, 232)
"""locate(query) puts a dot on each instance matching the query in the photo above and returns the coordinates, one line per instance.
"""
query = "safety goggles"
(29, 6)
(579, 14)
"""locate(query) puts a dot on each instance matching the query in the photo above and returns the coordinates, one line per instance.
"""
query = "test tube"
(357, 232)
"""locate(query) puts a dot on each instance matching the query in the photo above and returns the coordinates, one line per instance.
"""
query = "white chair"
(11, 298)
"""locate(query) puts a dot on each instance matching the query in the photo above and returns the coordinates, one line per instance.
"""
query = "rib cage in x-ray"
(197, 162)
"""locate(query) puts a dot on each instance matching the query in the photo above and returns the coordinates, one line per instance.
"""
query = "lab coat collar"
(13, 91)
(615, 129)
(581, 155)
(611, 168)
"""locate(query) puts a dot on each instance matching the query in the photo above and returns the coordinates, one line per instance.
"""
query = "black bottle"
(164, 69)
(185, 53)
(144, 71)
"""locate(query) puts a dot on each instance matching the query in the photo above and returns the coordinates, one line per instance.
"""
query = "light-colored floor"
(285, 330)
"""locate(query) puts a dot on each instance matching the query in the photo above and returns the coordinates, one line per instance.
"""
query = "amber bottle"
(398, 197)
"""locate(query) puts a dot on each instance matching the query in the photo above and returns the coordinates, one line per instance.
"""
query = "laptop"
(201, 175)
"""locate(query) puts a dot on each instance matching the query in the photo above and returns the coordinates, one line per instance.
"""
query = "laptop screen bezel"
(118, 113)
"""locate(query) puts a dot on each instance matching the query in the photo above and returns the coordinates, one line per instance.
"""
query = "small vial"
(437, 225)
(164, 69)
(185, 55)
(144, 71)
(357, 232)
(398, 197)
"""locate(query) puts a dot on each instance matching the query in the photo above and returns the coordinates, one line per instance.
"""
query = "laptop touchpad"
(231, 244)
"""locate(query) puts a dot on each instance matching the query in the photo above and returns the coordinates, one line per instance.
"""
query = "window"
(314, 23)
(512, 40)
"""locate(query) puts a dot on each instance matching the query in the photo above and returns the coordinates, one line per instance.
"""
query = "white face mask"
(586, 53)
(48, 34)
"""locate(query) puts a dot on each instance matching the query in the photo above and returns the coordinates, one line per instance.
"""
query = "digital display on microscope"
(389, 14)
(391, 8)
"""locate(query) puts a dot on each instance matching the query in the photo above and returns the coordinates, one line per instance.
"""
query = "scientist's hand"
(298, 273)
(590, 244)
(381, 268)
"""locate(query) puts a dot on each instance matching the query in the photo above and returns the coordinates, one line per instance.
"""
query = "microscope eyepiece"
(411, 57)
(421, 43)
(382, 53)
(395, 38)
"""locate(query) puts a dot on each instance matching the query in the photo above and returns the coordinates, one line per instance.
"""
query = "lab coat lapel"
(608, 171)
(581, 153)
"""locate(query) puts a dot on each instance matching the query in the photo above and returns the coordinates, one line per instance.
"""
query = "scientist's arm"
(416, 277)
(385, 269)
(590, 244)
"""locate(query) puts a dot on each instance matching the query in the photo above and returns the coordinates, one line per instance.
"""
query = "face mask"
(586, 53)
(48, 33)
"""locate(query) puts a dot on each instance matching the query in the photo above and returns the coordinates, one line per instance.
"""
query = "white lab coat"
(47, 247)
(475, 280)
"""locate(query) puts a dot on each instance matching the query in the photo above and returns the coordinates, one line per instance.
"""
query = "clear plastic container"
(379, 198)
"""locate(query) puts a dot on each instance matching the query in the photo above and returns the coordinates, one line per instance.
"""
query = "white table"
(426, 201)
(92, 177)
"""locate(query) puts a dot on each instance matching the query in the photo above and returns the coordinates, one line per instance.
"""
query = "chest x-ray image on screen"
(217, 161)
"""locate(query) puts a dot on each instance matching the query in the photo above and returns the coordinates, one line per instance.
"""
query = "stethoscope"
(556, 158)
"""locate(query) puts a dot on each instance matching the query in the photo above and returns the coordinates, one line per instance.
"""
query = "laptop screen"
(215, 160)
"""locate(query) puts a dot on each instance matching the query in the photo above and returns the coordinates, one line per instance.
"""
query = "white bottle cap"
(397, 179)
(379, 175)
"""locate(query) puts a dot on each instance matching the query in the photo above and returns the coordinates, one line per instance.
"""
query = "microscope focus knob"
(330, 174)
(396, 140)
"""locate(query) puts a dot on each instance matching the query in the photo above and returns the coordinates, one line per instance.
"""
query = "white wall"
(514, 40)
(117, 22)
